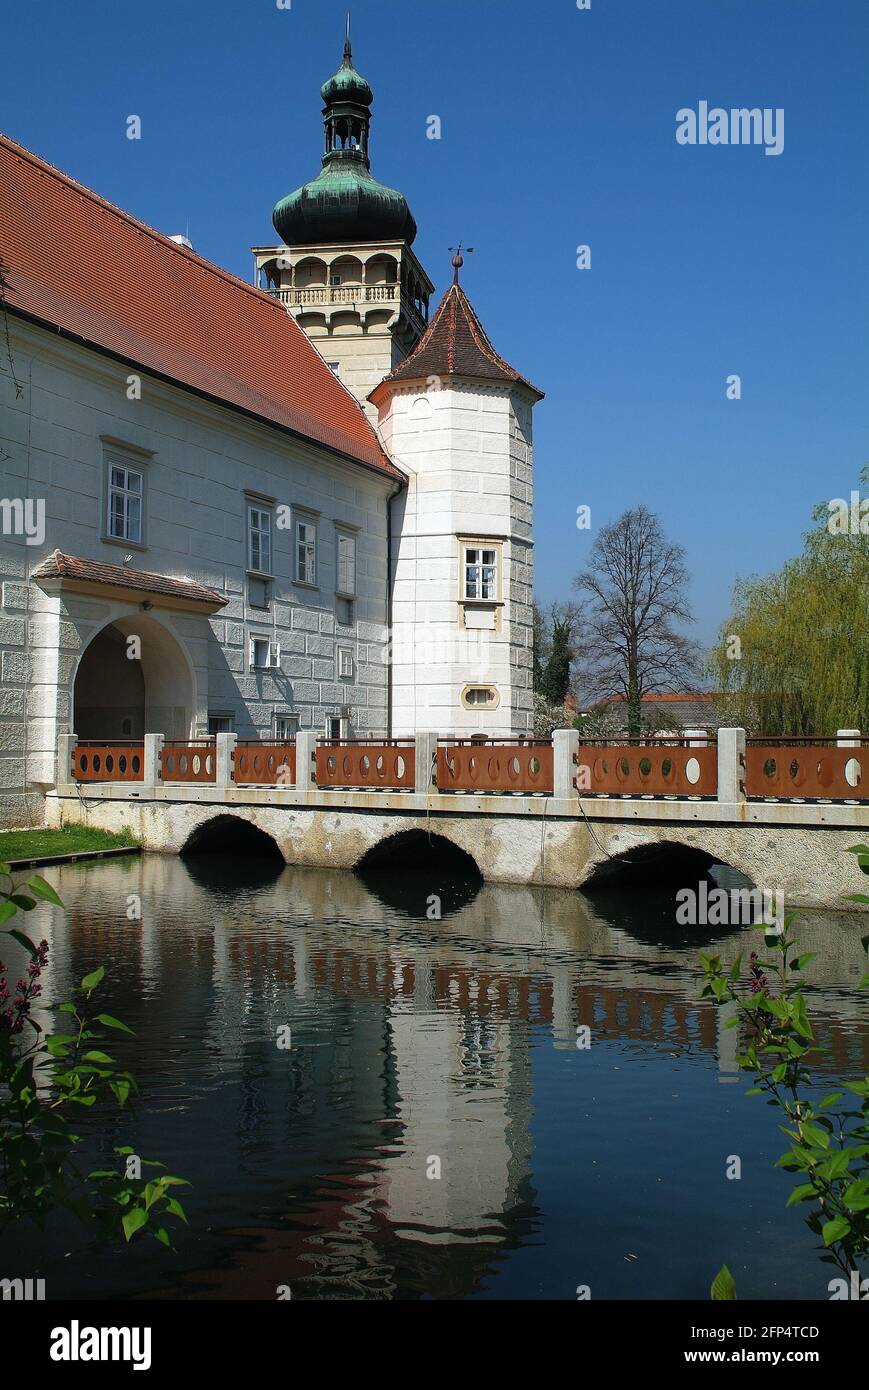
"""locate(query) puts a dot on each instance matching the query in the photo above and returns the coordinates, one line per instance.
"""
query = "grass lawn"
(71, 839)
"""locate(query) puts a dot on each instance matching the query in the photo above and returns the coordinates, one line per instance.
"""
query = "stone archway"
(119, 696)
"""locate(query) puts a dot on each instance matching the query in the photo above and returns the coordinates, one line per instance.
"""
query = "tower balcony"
(299, 296)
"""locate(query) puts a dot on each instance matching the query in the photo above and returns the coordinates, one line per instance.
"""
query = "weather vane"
(459, 260)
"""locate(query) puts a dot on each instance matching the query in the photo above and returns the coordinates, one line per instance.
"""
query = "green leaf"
(91, 981)
(121, 1091)
(40, 889)
(133, 1221)
(22, 940)
(176, 1208)
(836, 1229)
(802, 961)
(803, 1193)
(109, 1022)
(23, 901)
(102, 1057)
(723, 1286)
(7, 910)
(163, 1235)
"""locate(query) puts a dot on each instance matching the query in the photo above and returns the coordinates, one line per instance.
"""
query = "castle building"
(300, 505)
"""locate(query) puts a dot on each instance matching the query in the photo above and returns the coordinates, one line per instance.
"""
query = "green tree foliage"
(555, 680)
(799, 663)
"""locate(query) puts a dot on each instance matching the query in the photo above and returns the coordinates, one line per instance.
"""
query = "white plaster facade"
(200, 460)
(467, 449)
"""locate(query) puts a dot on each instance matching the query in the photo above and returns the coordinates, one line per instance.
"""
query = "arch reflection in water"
(228, 853)
(423, 875)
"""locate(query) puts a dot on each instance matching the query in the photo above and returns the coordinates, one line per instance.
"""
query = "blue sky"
(558, 129)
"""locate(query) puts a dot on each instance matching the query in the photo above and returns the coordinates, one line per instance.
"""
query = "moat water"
(412, 1040)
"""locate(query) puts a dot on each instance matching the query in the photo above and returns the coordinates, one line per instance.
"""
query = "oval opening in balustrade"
(365, 765)
(347, 765)
(514, 769)
(380, 766)
(110, 763)
(797, 772)
(600, 770)
(450, 766)
(122, 763)
(534, 767)
(826, 771)
(692, 771)
(183, 763)
(623, 769)
(667, 769)
(853, 773)
(97, 763)
(770, 769)
(197, 764)
(645, 767)
(494, 769)
(473, 770)
(83, 762)
(331, 765)
(209, 764)
(137, 763)
(399, 767)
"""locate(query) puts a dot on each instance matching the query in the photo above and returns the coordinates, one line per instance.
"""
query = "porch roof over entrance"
(72, 572)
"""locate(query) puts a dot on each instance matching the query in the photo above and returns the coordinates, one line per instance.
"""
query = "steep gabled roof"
(74, 261)
(456, 344)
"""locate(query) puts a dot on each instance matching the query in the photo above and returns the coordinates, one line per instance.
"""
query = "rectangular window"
(259, 592)
(259, 548)
(336, 727)
(285, 726)
(345, 663)
(481, 572)
(220, 722)
(346, 577)
(263, 656)
(126, 486)
(306, 552)
(344, 612)
(335, 368)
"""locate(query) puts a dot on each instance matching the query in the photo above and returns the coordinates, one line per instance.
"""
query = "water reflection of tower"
(462, 1093)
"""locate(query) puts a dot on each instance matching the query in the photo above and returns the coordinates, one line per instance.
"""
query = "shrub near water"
(46, 1082)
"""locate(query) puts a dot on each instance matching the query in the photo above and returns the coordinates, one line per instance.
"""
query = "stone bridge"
(562, 814)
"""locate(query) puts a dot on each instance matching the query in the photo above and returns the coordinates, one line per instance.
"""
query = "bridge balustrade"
(364, 763)
(677, 767)
(495, 765)
(807, 770)
(188, 760)
(264, 764)
(108, 762)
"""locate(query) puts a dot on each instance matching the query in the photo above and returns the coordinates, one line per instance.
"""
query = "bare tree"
(636, 593)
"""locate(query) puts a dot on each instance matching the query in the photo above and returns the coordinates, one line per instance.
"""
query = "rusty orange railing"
(495, 766)
(188, 760)
(379, 763)
(264, 764)
(807, 770)
(108, 762)
(636, 769)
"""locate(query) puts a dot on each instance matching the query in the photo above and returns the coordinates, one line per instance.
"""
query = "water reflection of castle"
(427, 1043)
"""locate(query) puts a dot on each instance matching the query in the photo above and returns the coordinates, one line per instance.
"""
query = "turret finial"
(458, 260)
(348, 51)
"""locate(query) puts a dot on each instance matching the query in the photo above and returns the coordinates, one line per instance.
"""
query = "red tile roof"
(456, 344)
(60, 566)
(76, 262)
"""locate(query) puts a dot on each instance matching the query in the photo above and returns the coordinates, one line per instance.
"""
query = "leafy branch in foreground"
(828, 1133)
(45, 1080)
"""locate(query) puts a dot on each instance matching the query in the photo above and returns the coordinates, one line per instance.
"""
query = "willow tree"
(793, 657)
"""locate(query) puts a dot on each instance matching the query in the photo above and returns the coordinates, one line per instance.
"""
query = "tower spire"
(348, 50)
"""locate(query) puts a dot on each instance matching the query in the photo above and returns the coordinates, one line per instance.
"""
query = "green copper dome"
(345, 202)
(347, 85)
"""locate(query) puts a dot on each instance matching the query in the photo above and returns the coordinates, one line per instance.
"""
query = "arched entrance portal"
(119, 694)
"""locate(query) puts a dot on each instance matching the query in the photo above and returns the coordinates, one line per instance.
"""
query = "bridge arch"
(231, 835)
(420, 875)
(658, 864)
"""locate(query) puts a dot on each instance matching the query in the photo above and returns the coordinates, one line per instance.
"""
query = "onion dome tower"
(347, 272)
